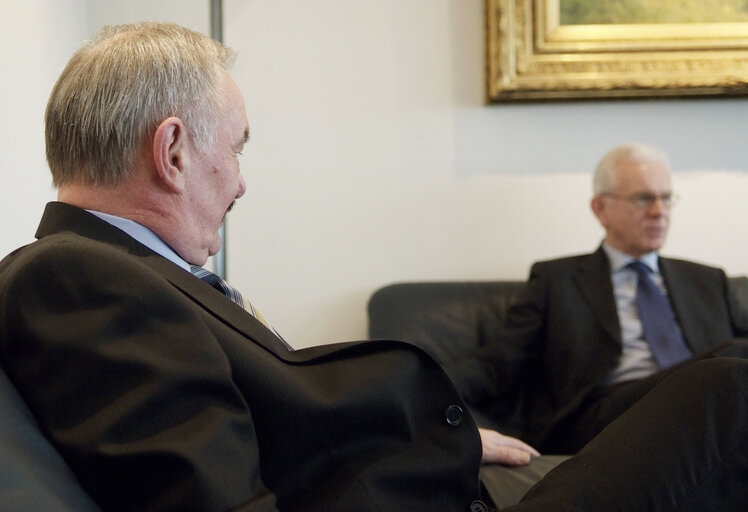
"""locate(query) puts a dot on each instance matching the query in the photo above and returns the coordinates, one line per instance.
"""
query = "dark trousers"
(607, 404)
(682, 446)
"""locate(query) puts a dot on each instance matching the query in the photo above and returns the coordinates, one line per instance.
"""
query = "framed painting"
(593, 49)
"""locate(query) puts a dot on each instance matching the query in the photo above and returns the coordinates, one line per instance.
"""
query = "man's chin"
(655, 245)
(215, 246)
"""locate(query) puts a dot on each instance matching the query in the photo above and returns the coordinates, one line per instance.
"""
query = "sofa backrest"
(450, 320)
(447, 319)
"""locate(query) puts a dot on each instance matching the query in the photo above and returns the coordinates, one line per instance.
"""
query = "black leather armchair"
(33, 476)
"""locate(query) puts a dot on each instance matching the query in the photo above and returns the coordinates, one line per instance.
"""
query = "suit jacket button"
(478, 506)
(454, 415)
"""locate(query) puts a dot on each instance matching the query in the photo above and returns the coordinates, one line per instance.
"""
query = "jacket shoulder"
(690, 267)
(53, 257)
(53, 248)
(563, 263)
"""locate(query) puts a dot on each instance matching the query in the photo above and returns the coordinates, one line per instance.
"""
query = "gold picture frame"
(531, 56)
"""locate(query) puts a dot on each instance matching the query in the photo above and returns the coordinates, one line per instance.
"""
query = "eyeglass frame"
(645, 200)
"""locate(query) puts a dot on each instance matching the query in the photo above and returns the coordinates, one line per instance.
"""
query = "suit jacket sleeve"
(504, 371)
(737, 303)
(130, 350)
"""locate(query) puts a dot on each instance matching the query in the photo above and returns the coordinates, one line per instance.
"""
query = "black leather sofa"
(451, 320)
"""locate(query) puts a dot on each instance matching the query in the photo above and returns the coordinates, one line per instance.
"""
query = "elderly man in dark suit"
(159, 391)
(164, 389)
(590, 335)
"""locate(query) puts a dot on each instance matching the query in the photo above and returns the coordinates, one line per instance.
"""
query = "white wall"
(374, 160)
(36, 40)
(194, 14)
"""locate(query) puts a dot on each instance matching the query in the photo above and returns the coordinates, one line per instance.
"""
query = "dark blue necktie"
(658, 320)
(232, 293)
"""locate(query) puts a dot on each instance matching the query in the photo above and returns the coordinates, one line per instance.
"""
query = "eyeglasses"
(645, 200)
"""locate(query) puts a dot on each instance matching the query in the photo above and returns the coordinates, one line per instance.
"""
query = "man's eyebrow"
(244, 139)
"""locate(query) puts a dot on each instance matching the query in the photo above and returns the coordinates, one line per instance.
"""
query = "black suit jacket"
(563, 338)
(161, 394)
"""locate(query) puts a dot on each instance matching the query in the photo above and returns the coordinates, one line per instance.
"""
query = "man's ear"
(597, 204)
(171, 153)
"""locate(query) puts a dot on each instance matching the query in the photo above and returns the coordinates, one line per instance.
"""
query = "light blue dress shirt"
(143, 235)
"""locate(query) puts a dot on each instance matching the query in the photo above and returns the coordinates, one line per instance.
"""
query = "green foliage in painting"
(590, 12)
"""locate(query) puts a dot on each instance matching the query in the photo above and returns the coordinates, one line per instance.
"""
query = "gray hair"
(119, 87)
(604, 179)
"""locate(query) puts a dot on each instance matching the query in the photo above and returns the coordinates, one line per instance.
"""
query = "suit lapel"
(679, 288)
(217, 304)
(592, 278)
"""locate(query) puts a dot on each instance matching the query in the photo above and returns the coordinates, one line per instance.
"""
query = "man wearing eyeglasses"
(588, 336)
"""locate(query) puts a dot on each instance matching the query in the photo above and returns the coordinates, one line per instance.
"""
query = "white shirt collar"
(619, 259)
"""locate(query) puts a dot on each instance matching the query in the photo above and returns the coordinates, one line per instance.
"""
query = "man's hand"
(501, 449)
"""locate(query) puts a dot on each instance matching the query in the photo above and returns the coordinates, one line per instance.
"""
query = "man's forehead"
(633, 172)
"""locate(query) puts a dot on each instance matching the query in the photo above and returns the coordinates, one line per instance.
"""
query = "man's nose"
(242, 187)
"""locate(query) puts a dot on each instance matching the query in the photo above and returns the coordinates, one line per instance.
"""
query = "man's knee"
(723, 374)
(737, 347)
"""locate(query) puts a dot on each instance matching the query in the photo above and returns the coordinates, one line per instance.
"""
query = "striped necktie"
(236, 297)
(658, 320)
